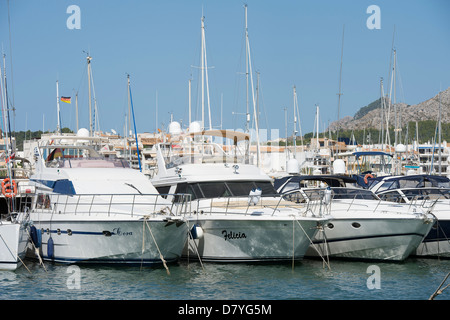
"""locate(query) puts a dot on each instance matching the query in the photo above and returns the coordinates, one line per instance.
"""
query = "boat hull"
(386, 239)
(140, 242)
(436, 244)
(13, 245)
(252, 239)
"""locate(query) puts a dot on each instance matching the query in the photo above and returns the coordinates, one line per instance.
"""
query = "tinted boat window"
(392, 196)
(214, 189)
(224, 189)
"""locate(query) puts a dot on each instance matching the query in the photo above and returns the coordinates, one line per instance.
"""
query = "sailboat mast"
(439, 134)
(247, 127)
(190, 104)
(382, 113)
(295, 126)
(340, 93)
(88, 58)
(202, 63)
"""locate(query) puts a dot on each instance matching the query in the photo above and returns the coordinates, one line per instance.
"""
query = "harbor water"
(413, 279)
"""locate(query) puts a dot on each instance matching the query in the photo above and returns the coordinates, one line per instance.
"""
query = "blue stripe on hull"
(367, 237)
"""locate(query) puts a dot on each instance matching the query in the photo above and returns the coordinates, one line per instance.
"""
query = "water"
(413, 279)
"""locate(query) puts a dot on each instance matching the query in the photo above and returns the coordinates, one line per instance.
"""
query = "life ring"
(366, 177)
(6, 188)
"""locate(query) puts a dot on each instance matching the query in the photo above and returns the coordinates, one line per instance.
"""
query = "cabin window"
(164, 190)
(388, 185)
(393, 196)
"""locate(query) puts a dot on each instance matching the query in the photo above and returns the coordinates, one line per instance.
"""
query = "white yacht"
(432, 193)
(363, 226)
(237, 216)
(89, 209)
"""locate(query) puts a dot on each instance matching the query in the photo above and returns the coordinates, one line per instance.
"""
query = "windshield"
(220, 189)
(427, 194)
(315, 194)
(67, 157)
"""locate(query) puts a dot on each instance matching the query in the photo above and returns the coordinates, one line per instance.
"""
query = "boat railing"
(113, 204)
(316, 197)
(256, 205)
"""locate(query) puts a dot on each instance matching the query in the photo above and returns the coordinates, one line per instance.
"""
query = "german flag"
(65, 99)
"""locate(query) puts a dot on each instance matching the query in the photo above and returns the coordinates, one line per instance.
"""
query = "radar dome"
(339, 166)
(400, 148)
(83, 132)
(174, 128)
(293, 167)
(195, 127)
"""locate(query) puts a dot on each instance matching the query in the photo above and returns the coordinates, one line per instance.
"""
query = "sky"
(158, 44)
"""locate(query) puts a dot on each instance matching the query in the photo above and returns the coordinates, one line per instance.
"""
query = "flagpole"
(58, 126)
(76, 107)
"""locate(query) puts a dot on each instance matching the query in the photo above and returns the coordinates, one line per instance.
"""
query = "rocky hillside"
(370, 116)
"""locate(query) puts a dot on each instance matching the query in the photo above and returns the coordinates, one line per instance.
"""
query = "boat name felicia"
(233, 235)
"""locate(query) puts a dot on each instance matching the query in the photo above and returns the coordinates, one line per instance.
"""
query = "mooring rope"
(156, 244)
(195, 247)
(36, 251)
(313, 245)
(439, 290)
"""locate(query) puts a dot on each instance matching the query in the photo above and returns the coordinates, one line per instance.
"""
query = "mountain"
(370, 115)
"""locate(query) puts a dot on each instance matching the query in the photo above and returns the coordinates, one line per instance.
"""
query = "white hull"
(252, 239)
(113, 241)
(375, 239)
(13, 245)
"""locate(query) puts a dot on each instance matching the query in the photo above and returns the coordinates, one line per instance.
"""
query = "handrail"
(113, 204)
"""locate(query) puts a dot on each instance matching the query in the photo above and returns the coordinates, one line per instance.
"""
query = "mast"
(204, 77)
(317, 127)
(439, 135)
(190, 118)
(134, 123)
(246, 70)
(382, 113)
(340, 92)
(202, 70)
(295, 127)
(88, 58)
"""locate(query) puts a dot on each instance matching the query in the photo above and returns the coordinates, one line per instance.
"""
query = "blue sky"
(158, 43)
